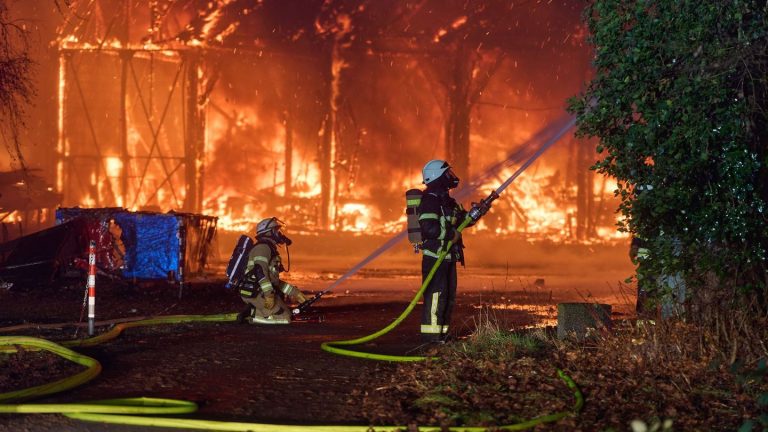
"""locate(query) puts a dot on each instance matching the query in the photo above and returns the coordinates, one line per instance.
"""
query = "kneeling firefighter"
(439, 215)
(263, 290)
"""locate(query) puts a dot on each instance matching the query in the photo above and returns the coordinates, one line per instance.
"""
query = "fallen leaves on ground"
(619, 381)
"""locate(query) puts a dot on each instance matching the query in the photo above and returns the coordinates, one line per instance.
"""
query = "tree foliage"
(678, 102)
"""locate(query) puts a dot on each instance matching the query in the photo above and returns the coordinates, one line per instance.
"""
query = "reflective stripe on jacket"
(268, 260)
(439, 214)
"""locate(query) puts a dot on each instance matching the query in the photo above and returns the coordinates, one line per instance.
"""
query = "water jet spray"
(548, 136)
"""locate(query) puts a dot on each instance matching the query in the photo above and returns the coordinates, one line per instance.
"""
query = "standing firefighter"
(263, 290)
(439, 215)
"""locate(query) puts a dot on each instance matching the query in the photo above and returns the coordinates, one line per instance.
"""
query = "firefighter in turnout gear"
(439, 215)
(263, 290)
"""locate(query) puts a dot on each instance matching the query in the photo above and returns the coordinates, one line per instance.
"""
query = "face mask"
(282, 238)
(451, 180)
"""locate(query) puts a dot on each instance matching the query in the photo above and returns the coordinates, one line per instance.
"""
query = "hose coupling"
(480, 209)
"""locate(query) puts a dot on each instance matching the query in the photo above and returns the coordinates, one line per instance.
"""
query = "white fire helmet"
(266, 226)
(433, 170)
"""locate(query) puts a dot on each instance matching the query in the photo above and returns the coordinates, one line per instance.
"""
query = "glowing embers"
(245, 165)
(234, 212)
(114, 166)
(354, 217)
(212, 23)
(12, 217)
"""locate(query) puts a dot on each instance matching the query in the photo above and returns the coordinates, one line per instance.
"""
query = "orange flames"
(538, 204)
(244, 188)
(535, 204)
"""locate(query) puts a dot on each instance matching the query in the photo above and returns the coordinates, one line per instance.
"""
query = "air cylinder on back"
(412, 201)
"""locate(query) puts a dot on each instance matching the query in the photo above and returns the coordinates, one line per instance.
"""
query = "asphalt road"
(278, 374)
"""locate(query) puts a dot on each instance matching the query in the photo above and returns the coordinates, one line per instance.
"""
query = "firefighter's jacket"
(439, 216)
(263, 270)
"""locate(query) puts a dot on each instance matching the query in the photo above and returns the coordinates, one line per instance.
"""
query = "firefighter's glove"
(298, 295)
(269, 300)
(456, 237)
(294, 293)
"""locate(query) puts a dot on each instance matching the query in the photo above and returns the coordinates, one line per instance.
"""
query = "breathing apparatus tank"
(412, 201)
(237, 262)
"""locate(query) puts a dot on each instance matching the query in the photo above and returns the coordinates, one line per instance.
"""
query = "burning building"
(322, 111)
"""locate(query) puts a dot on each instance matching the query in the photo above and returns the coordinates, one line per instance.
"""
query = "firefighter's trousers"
(280, 313)
(439, 298)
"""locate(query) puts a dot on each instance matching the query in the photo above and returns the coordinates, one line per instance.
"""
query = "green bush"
(678, 102)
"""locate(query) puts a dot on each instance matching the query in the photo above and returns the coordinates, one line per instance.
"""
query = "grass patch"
(492, 340)
(496, 344)
(433, 399)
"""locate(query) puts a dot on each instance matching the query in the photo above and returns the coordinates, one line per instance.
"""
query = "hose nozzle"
(302, 307)
(480, 209)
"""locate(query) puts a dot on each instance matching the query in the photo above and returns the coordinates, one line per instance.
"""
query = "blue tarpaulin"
(151, 245)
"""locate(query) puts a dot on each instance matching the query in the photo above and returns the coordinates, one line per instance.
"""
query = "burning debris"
(129, 245)
(27, 203)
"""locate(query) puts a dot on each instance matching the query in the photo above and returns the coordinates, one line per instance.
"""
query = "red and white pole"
(91, 287)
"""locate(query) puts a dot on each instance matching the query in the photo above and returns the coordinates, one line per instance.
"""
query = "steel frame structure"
(113, 41)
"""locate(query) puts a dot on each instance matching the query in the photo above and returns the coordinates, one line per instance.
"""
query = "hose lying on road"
(115, 410)
(170, 319)
(333, 346)
(93, 368)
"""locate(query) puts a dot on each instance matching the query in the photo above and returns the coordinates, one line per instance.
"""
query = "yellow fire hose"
(333, 346)
(7, 344)
(114, 410)
(170, 319)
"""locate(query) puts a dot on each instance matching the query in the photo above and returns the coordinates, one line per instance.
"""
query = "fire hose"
(548, 135)
(477, 211)
(114, 410)
(140, 411)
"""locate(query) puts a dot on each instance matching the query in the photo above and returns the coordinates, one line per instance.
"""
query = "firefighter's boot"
(242, 316)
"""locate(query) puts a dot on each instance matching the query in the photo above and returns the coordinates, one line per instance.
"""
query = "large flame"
(539, 204)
